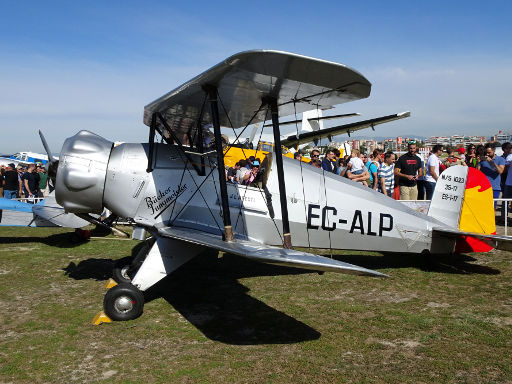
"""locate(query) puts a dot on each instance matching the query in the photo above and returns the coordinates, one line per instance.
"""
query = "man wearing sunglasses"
(315, 155)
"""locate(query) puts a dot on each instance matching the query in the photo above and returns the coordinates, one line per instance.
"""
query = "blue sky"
(66, 66)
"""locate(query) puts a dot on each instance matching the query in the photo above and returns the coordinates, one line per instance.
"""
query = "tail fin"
(312, 120)
(463, 199)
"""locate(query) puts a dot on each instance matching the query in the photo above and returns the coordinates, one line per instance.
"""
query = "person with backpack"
(452, 159)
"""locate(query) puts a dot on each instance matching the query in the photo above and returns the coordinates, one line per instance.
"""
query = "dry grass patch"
(231, 320)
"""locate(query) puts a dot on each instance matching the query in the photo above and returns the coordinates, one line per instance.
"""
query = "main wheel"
(121, 272)
(123, 302)
(126, 268)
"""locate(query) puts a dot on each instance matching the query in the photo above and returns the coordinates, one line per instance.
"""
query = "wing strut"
(287, 240)
(214, 106)
(149, 169)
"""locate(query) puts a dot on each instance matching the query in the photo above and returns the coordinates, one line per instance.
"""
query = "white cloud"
(62, 97)
(443, 99)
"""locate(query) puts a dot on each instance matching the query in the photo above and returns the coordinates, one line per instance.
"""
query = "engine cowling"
(82, 171)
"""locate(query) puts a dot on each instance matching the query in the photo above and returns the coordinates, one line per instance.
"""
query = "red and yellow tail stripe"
(477, 213)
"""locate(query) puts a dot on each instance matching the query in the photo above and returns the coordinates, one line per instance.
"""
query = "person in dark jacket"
(10, 182)
(30, 183)
(329, 162)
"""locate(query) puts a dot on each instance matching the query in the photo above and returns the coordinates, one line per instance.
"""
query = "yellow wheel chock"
(110, 283)
(101, 317)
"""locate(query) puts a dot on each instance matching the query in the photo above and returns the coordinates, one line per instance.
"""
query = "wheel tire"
(123, 302)
(121, 272)
(126, 268)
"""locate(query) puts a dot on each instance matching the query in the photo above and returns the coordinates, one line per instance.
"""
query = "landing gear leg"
(126, 300)
(126, 268)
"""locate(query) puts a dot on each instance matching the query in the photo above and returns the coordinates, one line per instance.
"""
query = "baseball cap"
(11, 165)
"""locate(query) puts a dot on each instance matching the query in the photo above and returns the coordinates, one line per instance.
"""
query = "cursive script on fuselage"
(163, 198)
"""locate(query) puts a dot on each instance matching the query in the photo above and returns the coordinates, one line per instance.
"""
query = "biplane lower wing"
(500, 242)
(46, 213)
(50, 210)
(307, 137)
(266, 254)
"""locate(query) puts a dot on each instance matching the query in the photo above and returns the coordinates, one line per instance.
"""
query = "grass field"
(225, 319)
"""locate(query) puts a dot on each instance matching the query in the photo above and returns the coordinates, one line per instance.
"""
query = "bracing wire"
(197, 190)
(192, 196)
(259, 189)
(243, 152)
(216, 192)
(181, 180)
(302, 176)
(325, 192)
(231, 124)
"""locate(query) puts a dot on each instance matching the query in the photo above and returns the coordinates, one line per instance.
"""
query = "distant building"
(502, 137)
(455, 140)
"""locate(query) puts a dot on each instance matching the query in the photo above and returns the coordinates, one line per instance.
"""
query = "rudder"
(463, 199)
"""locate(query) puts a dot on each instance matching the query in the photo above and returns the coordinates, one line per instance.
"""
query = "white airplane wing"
(308, 137)
(266, 254)
(50, 210)
(312, 116)
(298, 83)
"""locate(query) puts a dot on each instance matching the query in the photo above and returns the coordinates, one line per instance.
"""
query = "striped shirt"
(388, 174)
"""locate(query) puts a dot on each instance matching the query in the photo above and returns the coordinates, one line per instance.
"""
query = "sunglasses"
(315, 155)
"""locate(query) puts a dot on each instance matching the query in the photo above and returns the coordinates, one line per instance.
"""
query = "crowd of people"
(29, 182)
(410, 177)
(245, 172)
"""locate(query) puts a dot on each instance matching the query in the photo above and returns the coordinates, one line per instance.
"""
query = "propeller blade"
(53, 164)
(46, 147)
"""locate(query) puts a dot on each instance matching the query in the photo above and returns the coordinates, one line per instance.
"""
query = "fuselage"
(325, 210)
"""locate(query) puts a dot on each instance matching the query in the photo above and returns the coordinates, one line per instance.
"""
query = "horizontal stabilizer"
(321, 118)
(308, 137)
(500, 242)
(266, 254)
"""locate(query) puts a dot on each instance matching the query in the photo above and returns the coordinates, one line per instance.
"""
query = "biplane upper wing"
(299, 83)
(266, 254)
(307, 137)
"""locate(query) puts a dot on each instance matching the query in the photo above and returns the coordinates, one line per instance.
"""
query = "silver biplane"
(177, 191)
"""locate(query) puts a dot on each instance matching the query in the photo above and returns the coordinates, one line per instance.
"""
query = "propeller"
(53, 164)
